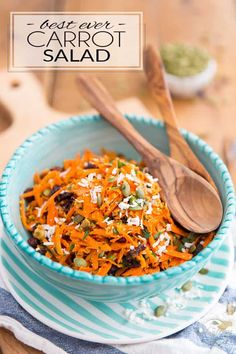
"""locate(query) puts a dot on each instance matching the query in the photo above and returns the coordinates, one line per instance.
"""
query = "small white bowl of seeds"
(188, 69)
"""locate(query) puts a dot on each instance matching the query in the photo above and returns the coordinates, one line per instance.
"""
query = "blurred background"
(210, 114)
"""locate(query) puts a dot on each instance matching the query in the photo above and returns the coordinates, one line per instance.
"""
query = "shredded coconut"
(108, 221)
(134, 221)
(64, 173)
(49, 231)
(126, 199)
(48, 243)
(39, 210)
(84, 183)
(93, 195)
(120, 178)
(150, 178)
(59, 220)
(123, 206)
(132, 177)
(188, 244)
(149, 210)
(91, 176)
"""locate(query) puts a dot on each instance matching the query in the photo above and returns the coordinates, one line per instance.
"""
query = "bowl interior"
(63, 140)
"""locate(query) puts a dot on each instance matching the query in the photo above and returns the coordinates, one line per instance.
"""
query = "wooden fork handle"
(98, 96)
(179, 149)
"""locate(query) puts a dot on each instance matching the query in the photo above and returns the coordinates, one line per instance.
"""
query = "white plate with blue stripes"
(125, 323)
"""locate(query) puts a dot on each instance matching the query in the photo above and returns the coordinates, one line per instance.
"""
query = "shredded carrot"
(104, 215)
(22, 214)
(208, 239)
(186, 256)
(52, 212)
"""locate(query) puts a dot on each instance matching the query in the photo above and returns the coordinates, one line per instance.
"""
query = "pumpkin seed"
(180, 246)
(113, 188)
(192, 237)
(146, 233)
(203, 271)
(132, 199)
(187, 286)
(224, 325)
(115, 231)
(80, 262)
(125, 189)
(160, 311)
(183, 60)
(230, 309)
(99, 199)
(136, 207)
(192, 249)
(111, 179)
(140, 193)
(31, 218)
(85, 224)
(157, 234)
(39, 234)
(78, 218)
(120, 164)
(72, 246)
(86, 233)
(46, 192)
(112, 257)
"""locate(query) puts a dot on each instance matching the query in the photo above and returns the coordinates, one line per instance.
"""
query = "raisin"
(57, 168)
(113, 270)
(130, 261)
(199, 248)
(121, 240)
(66, 237)
(124, 219)
(64, 196)
(138, 249)
(33, 242)
(65, 200)
(67, 205)
(43, 250)
(90, 166)
(54, 190)
(29, 199)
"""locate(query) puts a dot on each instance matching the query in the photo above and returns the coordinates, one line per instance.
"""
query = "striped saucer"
(108, 323)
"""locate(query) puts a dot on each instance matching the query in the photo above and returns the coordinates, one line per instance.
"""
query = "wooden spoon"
(179, 148)
(193, 202)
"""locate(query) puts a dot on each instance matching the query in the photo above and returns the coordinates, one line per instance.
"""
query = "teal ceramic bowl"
(49, 147)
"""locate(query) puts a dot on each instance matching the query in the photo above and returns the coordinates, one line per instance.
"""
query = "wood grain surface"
(211, 115)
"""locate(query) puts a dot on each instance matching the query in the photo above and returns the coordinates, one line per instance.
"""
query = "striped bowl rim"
(79, 275)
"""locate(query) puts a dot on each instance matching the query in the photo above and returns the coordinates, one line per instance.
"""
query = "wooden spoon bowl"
(193, 202)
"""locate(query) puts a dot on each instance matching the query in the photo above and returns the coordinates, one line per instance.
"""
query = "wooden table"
(211, 115)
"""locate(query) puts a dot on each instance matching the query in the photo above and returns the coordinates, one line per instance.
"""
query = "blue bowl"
(57, 142)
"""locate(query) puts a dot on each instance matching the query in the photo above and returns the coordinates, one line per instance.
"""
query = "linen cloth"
(199, 337)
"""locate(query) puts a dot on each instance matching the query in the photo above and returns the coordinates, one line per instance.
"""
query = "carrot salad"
(104, 215)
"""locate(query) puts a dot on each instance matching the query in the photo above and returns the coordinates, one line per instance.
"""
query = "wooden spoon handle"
(100, 99)
(179, 149)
